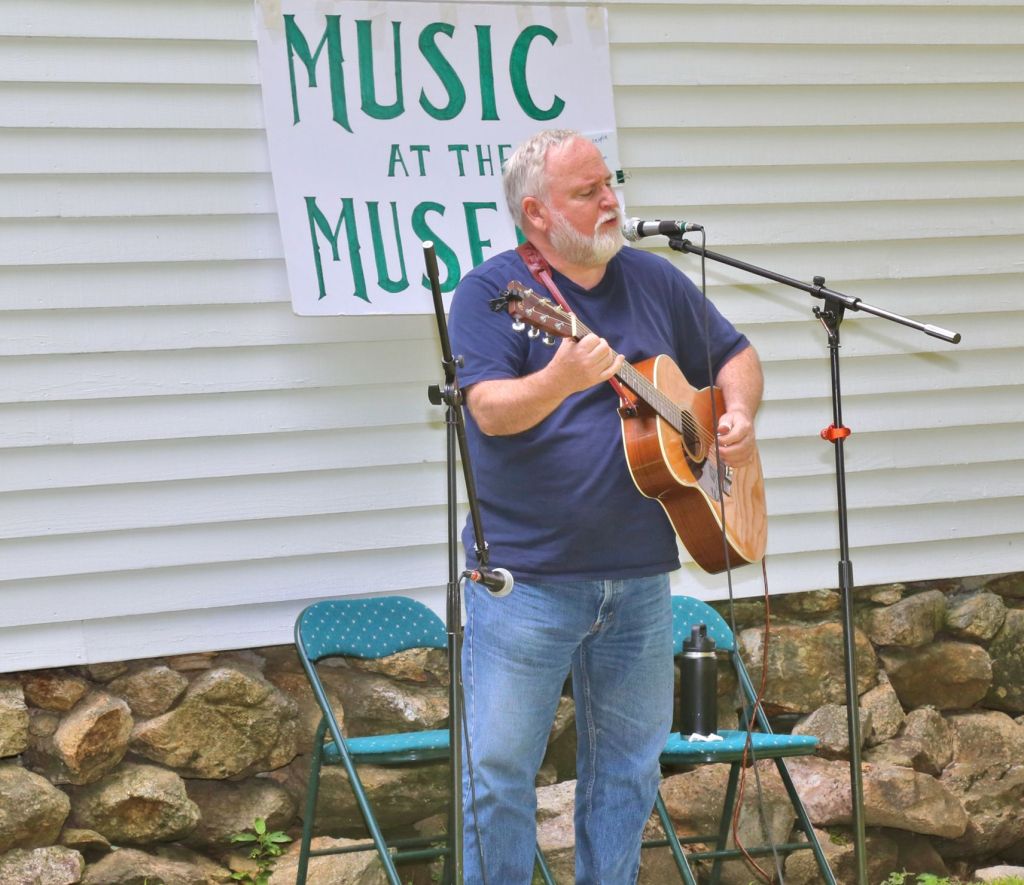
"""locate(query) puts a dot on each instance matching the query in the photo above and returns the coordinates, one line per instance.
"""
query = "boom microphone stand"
(830, 316)
(450, 396)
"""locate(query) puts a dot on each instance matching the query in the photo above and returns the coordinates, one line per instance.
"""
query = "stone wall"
(143, 770)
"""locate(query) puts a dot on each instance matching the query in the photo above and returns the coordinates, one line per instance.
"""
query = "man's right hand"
(511, 405)
(578, 365)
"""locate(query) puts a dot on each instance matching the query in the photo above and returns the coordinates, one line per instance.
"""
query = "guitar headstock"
(526, 306)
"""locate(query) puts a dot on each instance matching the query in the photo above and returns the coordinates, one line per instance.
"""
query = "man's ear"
(535, 213)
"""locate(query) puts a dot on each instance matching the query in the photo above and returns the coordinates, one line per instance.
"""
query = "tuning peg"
(532, 332)
(518, 325)
(548, 340)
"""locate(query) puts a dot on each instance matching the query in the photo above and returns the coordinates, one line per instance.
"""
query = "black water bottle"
(698, 690)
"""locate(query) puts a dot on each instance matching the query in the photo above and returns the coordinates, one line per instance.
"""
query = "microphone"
(498, 582)
(634, 229)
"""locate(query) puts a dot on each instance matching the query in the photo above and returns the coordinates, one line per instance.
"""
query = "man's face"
(585, 222)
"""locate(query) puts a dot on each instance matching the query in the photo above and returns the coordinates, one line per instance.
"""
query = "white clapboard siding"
(184, 463)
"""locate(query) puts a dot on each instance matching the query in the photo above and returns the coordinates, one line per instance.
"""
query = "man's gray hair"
(523, 175)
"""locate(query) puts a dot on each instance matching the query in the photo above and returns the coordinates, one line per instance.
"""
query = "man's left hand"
(736, 440)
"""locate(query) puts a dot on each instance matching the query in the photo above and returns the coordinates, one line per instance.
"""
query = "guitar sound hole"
(692, 446)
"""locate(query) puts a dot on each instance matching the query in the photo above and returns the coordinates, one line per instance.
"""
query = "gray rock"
(894, 796)
(136, 805)
(946, 674)
(882, 594)
(87, 842)
(986, 737)
(358, 868)
(13, 718)
(830, 725)
(975, 617)
(231, 722)
(806, 665)
(1007, 653)
(151, 691)
(918, 855)
(930, 726)
(376, 704)
(240, 658)
(214, 872)
(32, 810)
(993, 797)
(129, 866)
(400, 795)
(417, 666)
(555, 833)
(811, 605)
(228, 808)
(747, 612)
(930, 738)
(899, 751)
(561, 752)
(1003, 871)
(295, 685)
(53, 865)
(188, 663)
(103, 672)
(694, 801)
(89, 742)
(909, 623)
(1008, 586)
(886, 712)
(41, 723)
(881, 853)
(53, 689)
(924, 743)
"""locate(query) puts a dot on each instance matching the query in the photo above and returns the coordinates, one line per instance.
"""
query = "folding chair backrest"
(687, 612)
(367, 628)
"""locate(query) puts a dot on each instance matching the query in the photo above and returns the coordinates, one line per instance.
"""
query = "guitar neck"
(644, 389)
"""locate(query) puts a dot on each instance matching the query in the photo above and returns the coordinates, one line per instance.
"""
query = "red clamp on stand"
(832, 433)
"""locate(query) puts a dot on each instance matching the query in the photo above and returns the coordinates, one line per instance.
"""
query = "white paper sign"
(388, 123)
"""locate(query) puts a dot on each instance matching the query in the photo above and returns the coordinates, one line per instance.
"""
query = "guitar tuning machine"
(548, 340)
(533, 332)
(518, 325)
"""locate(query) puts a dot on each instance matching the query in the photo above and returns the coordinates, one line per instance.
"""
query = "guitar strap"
(541, 272)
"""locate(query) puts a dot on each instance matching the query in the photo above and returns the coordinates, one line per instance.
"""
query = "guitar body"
(678, 470)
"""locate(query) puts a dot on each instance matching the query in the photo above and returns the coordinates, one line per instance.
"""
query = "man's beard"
(583, 251)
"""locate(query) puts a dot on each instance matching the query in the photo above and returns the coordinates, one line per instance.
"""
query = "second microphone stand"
(831, 316)
(455, 437)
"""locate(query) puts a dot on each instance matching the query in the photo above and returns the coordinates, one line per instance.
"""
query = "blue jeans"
(616, 638)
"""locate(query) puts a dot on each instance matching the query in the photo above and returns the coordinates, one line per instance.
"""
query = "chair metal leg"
(685, 873)
(541, 865)
(805, 823)
(312, 791)
(370, 819)
(725, 823)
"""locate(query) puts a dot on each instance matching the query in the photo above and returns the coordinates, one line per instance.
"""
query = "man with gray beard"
(590, 555)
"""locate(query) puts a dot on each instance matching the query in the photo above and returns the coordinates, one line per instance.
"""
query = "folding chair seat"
(732, 750)
(369, 628)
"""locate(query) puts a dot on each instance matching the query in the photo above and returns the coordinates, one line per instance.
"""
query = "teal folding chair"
(370, 628)
(679, 751)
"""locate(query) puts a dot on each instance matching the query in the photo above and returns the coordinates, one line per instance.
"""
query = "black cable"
(750, 714)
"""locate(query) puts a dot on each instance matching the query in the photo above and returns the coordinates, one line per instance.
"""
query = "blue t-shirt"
(557, 501)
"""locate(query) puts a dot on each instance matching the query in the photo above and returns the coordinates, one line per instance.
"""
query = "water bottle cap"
(699, 640)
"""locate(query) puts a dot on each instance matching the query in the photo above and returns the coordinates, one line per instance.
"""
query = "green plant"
(265, 851)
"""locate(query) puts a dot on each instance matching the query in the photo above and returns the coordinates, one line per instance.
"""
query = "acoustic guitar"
(718, 512)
